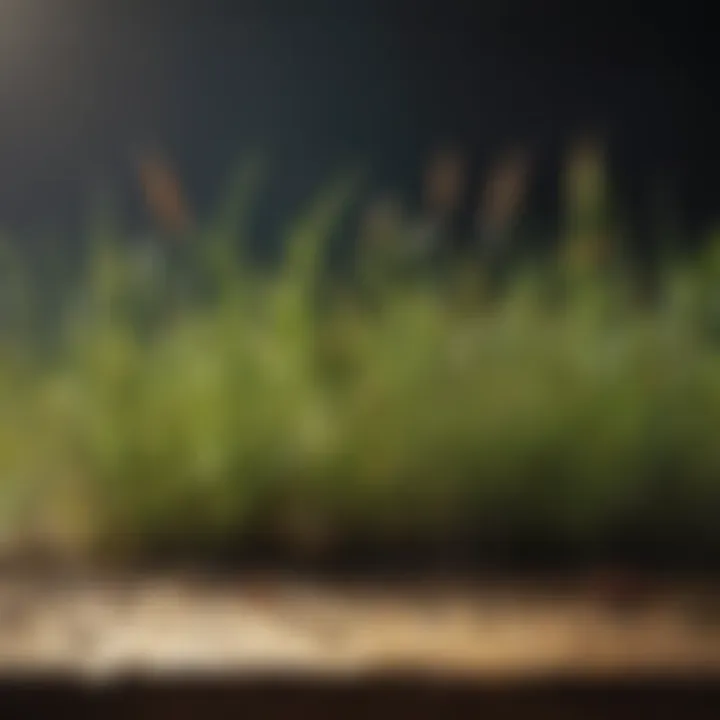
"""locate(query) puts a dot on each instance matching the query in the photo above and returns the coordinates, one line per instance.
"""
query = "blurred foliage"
(394, 406)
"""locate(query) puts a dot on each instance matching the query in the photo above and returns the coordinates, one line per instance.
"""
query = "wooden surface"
(481, 631)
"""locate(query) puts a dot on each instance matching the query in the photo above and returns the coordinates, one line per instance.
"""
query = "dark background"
(324, 85)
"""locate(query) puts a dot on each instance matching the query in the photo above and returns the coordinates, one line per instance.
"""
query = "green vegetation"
(285, 403)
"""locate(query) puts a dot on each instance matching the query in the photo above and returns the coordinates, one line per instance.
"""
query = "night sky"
(84, 83)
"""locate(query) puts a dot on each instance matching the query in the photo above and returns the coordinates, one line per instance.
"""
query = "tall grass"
(281, 403)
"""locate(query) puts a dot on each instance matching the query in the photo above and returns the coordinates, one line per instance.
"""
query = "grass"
(161, 413)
